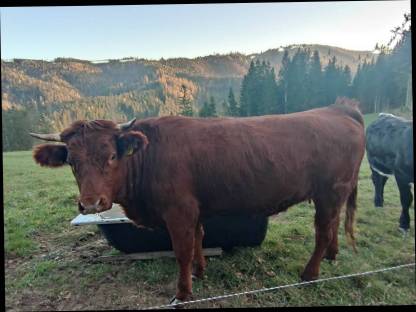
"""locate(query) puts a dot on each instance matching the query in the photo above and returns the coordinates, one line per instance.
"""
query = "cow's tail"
(349, 217)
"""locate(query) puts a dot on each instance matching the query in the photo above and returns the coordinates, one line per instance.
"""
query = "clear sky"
(191, 30)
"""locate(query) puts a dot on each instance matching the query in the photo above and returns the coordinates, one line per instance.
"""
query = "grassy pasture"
(50, 265)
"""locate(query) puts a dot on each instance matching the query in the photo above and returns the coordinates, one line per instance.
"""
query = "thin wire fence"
(281, 287)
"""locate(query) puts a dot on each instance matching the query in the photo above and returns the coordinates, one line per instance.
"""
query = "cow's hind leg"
(332, 249)
(406, 199)
(326, 230)
(199, 259)
(379, 181)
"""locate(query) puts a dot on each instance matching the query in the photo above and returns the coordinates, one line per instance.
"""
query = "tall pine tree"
(283, 83)
(232, 104)
(259, 90)
(208, 109)
(314, 82)
(185, 102)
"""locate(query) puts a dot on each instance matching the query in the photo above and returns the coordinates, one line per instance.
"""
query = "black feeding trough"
(220, 231)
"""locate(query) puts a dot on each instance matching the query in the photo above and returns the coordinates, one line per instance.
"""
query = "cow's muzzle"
(99, 206)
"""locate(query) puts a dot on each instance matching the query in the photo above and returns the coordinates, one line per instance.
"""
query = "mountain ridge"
(152, 83)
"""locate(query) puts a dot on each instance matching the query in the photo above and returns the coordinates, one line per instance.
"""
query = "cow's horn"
(126, 125)
(48, 137)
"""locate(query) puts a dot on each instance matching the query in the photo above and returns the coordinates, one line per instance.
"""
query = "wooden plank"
(209, 252)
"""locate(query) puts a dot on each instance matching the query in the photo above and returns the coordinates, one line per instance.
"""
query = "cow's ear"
(50, 155)
(130, 142)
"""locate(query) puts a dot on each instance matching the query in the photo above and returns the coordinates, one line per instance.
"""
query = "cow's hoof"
(308, 277)
(175, 301)
(404, 231)
(331, 260)
(331, 257)
(198, 272)
(196, 276)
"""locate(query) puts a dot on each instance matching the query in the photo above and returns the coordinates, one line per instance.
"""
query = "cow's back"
(264, 163)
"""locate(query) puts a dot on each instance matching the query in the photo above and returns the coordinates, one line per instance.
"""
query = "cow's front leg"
(323, 237)
(379, 181)
(181, 228)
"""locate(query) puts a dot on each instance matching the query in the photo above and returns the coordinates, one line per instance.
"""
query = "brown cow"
(176, 171)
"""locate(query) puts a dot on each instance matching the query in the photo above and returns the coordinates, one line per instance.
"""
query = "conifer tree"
(232, 104)
(209, 109)
(225, 108)
(204, 111)
(212, 107)
(283, 81)
(185, 102)
(246, 87)
(331, 76)
(14, 130)
(270, 91)
(314, 82)
(259, 90)
(297, 95)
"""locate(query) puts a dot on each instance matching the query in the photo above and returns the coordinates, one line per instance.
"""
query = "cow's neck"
(130, 193)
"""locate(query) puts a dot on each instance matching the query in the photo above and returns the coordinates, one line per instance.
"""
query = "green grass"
(37, 201)
(49, 267)
(369, 118)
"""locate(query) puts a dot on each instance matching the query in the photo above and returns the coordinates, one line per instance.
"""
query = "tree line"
(386, 83)
(302, 82)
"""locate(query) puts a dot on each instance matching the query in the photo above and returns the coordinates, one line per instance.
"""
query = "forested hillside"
(35, 83)
(49, 95)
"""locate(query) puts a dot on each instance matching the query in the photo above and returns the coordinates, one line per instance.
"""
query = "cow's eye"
(113, 156)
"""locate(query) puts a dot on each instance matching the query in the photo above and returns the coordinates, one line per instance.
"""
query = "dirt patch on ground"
(73, 260)
(103, 297)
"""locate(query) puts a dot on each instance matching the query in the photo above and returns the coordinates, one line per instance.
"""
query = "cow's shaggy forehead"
(91, 137)
(83, 127)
